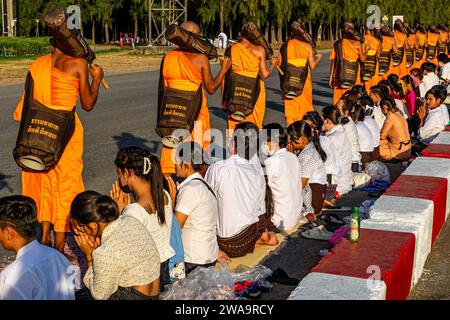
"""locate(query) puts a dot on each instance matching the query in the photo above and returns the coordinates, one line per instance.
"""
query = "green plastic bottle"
(355, 222)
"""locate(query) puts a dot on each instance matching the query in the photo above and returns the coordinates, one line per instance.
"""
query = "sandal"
(319, 233)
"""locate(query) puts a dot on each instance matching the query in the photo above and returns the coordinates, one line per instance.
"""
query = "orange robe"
(180, 73)
(247, 64)
(433, 39)
(422, 41)
(400, 40)
(443, 38)
(350, 53)
(295, 109)
(374, 46)
(54, 190)
(412, 44)
(387, 44)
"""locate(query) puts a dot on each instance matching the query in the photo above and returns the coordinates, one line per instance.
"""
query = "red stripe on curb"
(437, 151)
(392, 252)
(429, 188)
(447, 128)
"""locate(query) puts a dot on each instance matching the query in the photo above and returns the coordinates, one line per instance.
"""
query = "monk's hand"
(226, 63)
(318, 57)
(330, 83)
(121, 198)
(97, 72)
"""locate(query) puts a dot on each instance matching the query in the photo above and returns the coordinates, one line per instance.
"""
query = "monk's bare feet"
(267, 239)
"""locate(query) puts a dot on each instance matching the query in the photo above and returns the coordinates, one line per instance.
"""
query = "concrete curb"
(416, 204)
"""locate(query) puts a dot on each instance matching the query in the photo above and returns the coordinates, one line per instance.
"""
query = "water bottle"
(355, 222)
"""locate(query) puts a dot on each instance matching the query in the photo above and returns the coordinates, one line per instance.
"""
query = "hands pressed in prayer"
(172, 188)
(121, 198)
(87, 244)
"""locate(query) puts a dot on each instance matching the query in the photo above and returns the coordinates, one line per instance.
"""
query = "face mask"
(124, 188)
(265, 149)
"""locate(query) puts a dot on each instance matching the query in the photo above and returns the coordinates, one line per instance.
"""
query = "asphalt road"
(126, 115)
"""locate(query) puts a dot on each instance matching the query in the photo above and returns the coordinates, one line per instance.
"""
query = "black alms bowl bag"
(293, 79)
(240, 95)
(346, 71)
(385, 61)
(409, 57)
(369, 67)
(397, 58)
(43, 135)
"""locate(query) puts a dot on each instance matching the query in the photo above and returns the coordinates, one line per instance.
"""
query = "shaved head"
(191, 26)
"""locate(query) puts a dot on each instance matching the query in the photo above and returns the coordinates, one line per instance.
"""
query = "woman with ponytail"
(140, 173)
(370, 122)
(397, 92)
(365, 138)
(410, 95)
(345, 106)
(336, 133)
(312, 165)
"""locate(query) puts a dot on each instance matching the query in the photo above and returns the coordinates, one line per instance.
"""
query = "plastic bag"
(378, 171)
(213, 284)
(364, 209)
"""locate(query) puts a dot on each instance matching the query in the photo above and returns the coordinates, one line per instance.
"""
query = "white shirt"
(352, 134)
(435, 122)
(38, 273)
(160, 233)
(199, 233)
(428, 81)
(340, 140)
(445, 71)
(332, 165)
(374, 129)
(312, 166)
(240, 189)
(285, 181)
(378, 116)
(365, 137)
(402, 108)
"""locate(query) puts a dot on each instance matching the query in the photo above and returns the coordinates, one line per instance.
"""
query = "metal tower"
(169, 11)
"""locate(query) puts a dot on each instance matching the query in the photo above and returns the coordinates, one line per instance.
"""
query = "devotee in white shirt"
(195, 209)
(336, 133)
(377, 93)
(371, 124)
(436, 120)
(366, 140)
(429, 80)
(283, 176)
(240, 189)
(38, 272)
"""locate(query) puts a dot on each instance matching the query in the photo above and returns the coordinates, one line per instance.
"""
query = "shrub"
(24, 47)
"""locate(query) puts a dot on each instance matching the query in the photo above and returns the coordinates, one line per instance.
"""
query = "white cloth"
(352, 134)
(435, 122)
(199, 233)
(378, 116)
(38, 273)
(240, 189)
(160, 233)
(340, 140)
(402, 108)
(365, 137)
(374, 129)
(285, 181)
(445, 71)
(428, 81)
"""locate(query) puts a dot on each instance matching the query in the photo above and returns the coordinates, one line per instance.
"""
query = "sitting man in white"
(240, 189)
(283, 176)
(195, 209)
(436, 120)
(39, 272)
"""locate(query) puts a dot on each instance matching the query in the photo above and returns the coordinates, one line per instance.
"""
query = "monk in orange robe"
(443, 39)
(187, 71)
(433, 40)
(412, 44)
(59, 80)
(421, 42)
(250, 60)
(351, 51)
(300, 52)
(372, 46)
(388, 44)
(401, 42)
